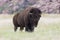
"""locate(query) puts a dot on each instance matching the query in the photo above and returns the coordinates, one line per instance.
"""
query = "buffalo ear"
(30, 14)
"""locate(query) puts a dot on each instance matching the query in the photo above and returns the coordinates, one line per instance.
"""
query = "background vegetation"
(46, 6)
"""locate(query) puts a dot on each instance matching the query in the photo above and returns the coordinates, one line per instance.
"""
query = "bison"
(28, 18)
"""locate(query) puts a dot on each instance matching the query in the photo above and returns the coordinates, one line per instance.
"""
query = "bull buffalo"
(28, 18)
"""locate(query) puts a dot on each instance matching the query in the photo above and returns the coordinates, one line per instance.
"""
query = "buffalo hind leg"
(15, 29)
(21, 28)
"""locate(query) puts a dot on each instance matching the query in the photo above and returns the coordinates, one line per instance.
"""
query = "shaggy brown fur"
(27, 18)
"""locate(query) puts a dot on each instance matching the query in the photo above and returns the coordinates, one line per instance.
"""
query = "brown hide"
(27, 18)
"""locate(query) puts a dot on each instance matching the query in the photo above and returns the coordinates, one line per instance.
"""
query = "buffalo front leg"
(29, 28)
